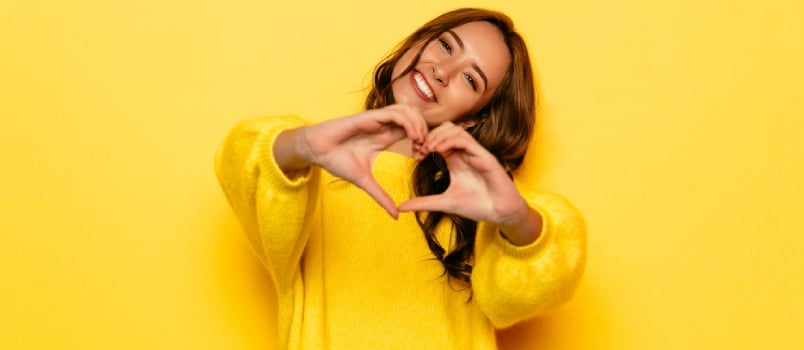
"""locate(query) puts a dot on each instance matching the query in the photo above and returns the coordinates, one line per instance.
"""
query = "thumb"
(375, 191)
(437, 202)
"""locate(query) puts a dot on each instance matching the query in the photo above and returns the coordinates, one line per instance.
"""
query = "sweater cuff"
(286, 181)
(530, 249)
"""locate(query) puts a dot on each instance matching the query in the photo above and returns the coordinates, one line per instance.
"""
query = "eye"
(471, 81)
(445, 45)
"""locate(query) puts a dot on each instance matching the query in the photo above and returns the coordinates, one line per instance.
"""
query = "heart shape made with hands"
(479, 188)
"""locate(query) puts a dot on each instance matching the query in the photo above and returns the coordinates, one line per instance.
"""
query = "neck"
(403, 147)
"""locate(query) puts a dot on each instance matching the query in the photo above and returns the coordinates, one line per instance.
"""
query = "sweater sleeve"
(514, 283)
(273, 208)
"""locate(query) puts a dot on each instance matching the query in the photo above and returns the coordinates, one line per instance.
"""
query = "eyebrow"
(474, 65)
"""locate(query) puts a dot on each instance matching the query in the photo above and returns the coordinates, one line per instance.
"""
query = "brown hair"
(503, 126)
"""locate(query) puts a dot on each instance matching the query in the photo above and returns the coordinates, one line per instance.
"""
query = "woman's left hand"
(479, 188)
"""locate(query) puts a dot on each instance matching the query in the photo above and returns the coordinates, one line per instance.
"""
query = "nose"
(443, 71)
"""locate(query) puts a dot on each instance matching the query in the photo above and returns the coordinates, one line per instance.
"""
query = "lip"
(415, 86)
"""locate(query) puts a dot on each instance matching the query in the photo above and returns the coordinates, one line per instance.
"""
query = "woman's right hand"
(346, 147)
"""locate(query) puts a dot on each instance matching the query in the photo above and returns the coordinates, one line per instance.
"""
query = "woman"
(467, 250)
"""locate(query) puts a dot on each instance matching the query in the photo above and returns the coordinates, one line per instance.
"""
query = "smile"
(421, 87)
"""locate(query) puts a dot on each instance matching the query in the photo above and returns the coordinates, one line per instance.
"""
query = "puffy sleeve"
(273, 207)
(514, 283)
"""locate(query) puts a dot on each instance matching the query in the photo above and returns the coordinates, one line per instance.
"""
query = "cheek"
(431, 53)
(435, 115)
(400, 66)
(402, 91)
(463, 101)
(405, 60)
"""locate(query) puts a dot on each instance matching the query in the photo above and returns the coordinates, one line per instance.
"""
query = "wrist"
(524, 227)
(291, 150)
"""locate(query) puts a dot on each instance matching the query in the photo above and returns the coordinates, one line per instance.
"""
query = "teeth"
(422, 85)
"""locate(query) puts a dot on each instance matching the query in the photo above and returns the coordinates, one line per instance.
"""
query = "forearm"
(513, 283)
(525, 228)
(255, 186)
(288, 151)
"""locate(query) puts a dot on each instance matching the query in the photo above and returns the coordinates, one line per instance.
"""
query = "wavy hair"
(504, 126)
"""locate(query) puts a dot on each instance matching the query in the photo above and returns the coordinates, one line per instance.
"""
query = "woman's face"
(457, 72)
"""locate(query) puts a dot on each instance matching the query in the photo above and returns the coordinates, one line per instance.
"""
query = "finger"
(380, 196)
(417, 122)
(419, 152)
(421, 123)
(438, 202)
(453, 144)
(397, 134)
(432, 138)
(413, 131)
(472, 153)
(373, 122)
(424, 128)
(396, 118)
(440, 129)
(440, 134)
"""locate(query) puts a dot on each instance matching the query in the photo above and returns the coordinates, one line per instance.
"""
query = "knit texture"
(348, 276)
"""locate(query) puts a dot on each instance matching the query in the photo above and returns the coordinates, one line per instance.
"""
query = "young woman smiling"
(468, 249)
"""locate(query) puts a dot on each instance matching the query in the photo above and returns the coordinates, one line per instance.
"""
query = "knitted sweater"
(348, 276)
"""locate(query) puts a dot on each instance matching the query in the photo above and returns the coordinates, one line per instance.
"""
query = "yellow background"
(673, 125)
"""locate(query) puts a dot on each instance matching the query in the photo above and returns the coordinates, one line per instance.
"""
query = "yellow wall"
(673, 125)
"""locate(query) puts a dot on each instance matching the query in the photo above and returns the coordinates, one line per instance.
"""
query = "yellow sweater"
(348, 276)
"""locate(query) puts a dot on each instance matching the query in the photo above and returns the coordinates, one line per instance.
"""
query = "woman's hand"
(346, 147)
(479, 188)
